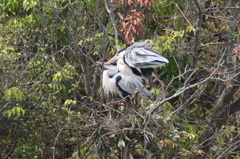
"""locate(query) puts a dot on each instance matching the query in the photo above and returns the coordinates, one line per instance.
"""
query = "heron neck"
(124, 68)
(111, 72)
(108, 83)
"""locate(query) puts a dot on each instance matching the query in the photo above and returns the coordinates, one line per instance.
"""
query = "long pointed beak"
(100, 63)
(111, 60)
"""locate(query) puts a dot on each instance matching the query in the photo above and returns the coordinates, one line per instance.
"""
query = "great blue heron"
(140, 58)
(115, 82)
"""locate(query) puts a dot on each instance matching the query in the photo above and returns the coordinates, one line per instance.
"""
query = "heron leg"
(127, 104)
(135, 97)
(146, 82)
(162, 85)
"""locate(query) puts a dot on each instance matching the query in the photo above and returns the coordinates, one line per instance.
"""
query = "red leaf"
(120, 15)
(129, 2)
(134, 22)
(133, 29)
(123, 25)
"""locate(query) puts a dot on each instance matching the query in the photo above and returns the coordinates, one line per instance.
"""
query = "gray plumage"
(115, 82)
(140, 55)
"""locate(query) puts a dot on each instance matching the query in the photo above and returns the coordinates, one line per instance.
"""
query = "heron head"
(118, 55)
(110, 66)
(121, 52)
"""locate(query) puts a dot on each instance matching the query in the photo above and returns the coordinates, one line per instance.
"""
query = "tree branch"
(199, 24)
(111, 14)
(183, 89)
(11, 150)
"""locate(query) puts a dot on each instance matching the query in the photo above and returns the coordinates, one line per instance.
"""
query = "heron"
(140, 58)
(115, 82)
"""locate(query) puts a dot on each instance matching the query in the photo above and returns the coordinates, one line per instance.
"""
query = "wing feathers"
(130, 86)
(140, 54)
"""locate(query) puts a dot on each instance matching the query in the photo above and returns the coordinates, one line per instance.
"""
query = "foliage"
(52, 105)
(131, 17)
(13, 93)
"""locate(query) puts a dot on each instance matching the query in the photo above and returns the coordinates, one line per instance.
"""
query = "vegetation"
(52, 105)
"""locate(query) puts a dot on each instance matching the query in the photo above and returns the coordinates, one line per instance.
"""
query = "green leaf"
(58, 77)
(13, 93)
(160, 145)
(121, 143)
(70, 101)
(15, 111)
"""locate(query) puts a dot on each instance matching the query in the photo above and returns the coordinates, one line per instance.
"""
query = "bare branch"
(184, 16)
(112, 17)
(183, 89)
(197, 33)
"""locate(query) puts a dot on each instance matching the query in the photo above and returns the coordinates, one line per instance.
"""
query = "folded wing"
(141, 55)
(130, 86)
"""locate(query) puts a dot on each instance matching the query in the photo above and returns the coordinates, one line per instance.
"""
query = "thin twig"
(111, 14)
(200, 17)
(11, 150)
(183, 89)
(56, 138)
(184, 16)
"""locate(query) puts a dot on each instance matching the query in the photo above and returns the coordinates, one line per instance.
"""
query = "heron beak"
(111, 60)
(100, 63)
